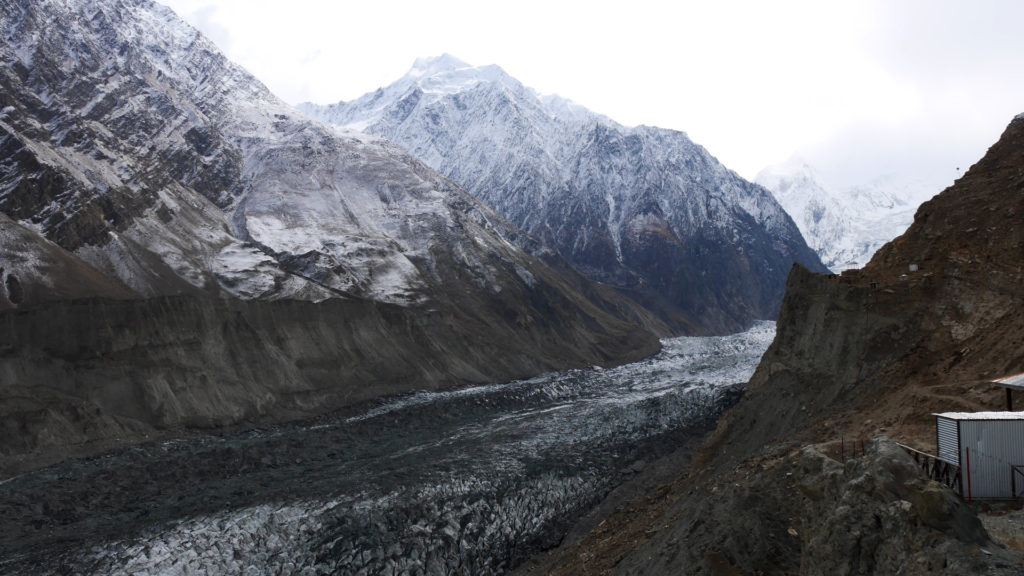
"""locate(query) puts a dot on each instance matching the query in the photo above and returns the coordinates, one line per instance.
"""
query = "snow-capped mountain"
(142, 171)
(130, 141)
(643, 209)
(845, 226)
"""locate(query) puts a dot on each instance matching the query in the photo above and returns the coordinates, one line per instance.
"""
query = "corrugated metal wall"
(948, 440)
(995, 446)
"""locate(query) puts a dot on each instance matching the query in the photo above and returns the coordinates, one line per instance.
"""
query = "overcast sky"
(858, 88)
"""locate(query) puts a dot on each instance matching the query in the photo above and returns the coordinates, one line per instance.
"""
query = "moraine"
(472, 481)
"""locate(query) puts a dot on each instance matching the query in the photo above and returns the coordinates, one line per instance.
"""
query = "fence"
(938, 470)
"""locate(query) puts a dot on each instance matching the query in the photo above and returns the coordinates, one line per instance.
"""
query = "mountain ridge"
(643, 209)
(784, 484)
(136, 155)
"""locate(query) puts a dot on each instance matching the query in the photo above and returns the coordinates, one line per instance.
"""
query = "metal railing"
(938, 470)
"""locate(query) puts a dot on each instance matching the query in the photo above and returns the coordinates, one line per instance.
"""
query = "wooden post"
(1009, 399)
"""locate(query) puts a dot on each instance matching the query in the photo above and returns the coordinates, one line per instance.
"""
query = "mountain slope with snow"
(844, 226)
(643, 209)
(140, 166)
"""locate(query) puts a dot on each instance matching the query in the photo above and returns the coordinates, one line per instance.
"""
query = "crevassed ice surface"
(472, 481)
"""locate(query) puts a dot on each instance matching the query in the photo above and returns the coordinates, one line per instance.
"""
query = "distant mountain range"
(845, 226)
(643, 209)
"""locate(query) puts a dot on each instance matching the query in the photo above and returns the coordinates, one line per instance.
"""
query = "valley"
(454, 326)
(472, 481)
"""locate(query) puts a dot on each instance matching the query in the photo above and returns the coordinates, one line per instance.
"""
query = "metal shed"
(989, 449)
(1011, 383)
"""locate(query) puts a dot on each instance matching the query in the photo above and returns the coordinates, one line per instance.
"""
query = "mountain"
(845, 226)
(242, 262)
(642, 209)
(799, 477)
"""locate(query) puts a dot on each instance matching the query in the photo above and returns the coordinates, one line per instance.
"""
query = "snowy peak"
(617, 202)
(137, 148)
(447, 74)
(139, 164)
(794, 174)
(436, 65)
(428, 81)
(844, 225)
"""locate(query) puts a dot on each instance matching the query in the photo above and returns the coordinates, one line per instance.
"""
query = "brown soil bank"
(873, 351)
(81, 376)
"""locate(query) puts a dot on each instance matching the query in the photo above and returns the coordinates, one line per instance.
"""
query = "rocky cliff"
(137, 164)
(872, 351)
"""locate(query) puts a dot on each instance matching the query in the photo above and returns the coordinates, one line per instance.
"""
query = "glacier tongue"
(470, 481)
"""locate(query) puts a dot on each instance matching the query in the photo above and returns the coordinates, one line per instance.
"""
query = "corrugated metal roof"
(982, 415)
(1016, 381)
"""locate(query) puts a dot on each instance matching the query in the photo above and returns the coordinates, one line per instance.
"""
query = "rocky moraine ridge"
(643, 209)
(182, 249)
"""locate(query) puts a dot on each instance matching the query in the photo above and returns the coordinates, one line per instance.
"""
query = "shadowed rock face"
(643, 209)
(137, 162)
(81, 376)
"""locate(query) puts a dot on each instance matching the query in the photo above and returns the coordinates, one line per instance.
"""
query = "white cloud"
(913, 84)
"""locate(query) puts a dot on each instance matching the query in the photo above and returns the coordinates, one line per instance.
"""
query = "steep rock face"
(643, 209)
(33, 269)
(882, 348)
(137, 162)
(173, 170)
(796, 512)
(82, 375)
(135, 145)
(844, 226)
(877, 350)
